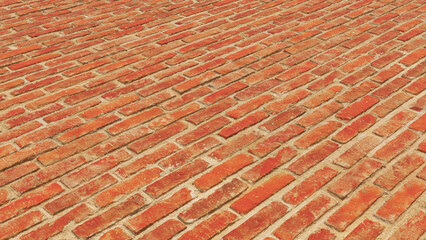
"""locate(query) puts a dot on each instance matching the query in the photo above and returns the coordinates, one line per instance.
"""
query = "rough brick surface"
(212, 119)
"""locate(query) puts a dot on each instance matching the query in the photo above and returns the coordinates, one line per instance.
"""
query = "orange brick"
(304, 217)
(158, 210)
(310, 185)
(210, 227)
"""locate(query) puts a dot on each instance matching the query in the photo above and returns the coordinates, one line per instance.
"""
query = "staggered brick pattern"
(212, 119)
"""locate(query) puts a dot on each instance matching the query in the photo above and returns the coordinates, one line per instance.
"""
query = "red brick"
(12, 134)
(274, 141)
(203, 130)
(47, 174)
(70, 111)
(352, 179)
(310, 185)
(249, 106)
(293, 84)
(87, 128)
(175, 115)
(358, 76)
(186, 154)
(90, 93)
(135, 120)
(196, 45)
(390, 88)
(396, 146)
(110, 106)
(394, 123)
(422, 146)
(27, 201)
(223, 93)
(110, 216)
(86, 67)
(258, 222)
(289, 99)
(196, 81)
(255, 90)
(311, 158)
(248, 121)
(165, 231)
(244, 52)
(412, 229)
(266, 166)
(145, 103)
(20, 51)
(33, 61)
(19, 224)
(385, 60)
(126, 187)
(70, 82)
(51, 229)
(392, 103)
(186, 98)
(117, 142)
(357, 108)
(205, 67)
(115, 234)
(240, 63)
(355, 207)
(357, 151)
(6, 150)
(95, 168)
(33, 115)
(357, 40)
(147, 159)
(416, 71)
(235, 144)
(317, 134)
(130, 87)
(136, 23)
(296, 71)
(157, 137)
(11, 174)
(304, 217)
(49, 131)
(220, 196)
(357, 126)
(322, 97)
(71, 148)
(366, 230)
(417, 86)
(399, 170)
(419, 124)
(320, 114)
(159, 210)
(355, 64)
(148, 71)
(222, 171)
(210, 227)
(401, 200)
(409, 35)
(79, 194)
(357, 92)
(283, 118)
(322, 234)
(54, 97)
(32, 86)
(19, 99)
(413, 57)
(175, 178)
(26, 154)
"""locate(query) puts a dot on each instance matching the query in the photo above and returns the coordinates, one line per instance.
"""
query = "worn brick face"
(216, 119)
